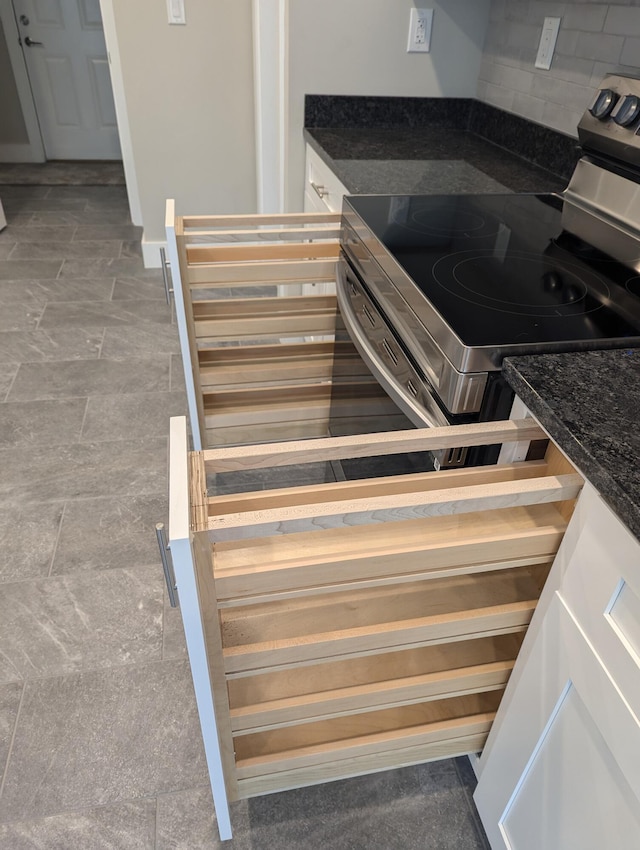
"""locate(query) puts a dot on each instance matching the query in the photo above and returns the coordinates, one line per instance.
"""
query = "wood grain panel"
(365, 445)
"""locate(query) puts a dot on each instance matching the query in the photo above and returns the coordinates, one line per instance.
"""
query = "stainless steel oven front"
(382, 352)
(378, 386)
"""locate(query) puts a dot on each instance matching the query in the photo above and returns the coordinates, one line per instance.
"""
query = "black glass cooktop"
(501, 271)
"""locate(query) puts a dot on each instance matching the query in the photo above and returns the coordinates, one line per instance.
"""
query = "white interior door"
(66, 57)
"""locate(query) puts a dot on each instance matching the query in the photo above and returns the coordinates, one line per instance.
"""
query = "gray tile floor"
(99, 738)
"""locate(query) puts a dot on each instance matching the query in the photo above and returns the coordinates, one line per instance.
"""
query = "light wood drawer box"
(256, 327)
(351, 627)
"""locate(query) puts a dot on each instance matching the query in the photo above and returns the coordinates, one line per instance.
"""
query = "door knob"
(30, 43)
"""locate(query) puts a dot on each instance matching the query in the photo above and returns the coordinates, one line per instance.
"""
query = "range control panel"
(611, 124)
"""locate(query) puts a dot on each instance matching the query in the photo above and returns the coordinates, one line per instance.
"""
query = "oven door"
(374, 386)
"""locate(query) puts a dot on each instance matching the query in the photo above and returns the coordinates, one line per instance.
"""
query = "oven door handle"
(417, 414)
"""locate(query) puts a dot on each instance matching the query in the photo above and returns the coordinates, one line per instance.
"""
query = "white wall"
(189, 94)
(359, 47)
(594, 40)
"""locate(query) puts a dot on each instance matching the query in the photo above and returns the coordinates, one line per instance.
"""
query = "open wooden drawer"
(256, 307)
(348, 627)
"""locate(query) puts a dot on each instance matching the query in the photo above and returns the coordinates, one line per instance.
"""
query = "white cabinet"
(323, 192)
(561, 768)
(3, 220)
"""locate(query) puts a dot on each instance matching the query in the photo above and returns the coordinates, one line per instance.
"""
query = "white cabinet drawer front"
(313, 202)
(322, 182)
(601, 588)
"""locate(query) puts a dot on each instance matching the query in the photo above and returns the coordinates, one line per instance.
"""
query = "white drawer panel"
(323, 183)
(313, 202)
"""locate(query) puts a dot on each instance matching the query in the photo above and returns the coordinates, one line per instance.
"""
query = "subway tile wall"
(594, 39)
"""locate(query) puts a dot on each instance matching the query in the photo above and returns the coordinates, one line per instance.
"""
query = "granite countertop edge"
(328, 160)
(591, 466)
(311, 140)
(504, 171)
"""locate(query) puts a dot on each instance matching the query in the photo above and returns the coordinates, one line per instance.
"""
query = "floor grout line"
(104, 668)
(89, 572)
(61, 398)
(97, 806)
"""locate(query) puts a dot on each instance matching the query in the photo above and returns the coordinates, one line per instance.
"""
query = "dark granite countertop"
(589, 403)
(415, 160)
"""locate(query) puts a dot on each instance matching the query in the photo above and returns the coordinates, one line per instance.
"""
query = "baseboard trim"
(474, 760)
(151, 253)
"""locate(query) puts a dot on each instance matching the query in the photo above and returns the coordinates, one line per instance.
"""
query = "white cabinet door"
(564, 768)
(558, 803)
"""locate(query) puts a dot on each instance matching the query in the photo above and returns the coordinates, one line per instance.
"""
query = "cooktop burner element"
(633, 285)
(439, 220)
(522, 286)
(544, 288)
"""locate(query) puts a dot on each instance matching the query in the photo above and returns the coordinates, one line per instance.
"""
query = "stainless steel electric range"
(434, 291)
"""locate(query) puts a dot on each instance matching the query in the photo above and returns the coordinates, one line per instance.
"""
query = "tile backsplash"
(594, 39)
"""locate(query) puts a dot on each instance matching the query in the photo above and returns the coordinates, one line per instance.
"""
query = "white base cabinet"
(323, 192)
(561, 768)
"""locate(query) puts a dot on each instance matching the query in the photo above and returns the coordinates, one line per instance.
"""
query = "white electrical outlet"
(547, 43)
(420, 24)
(175, 11)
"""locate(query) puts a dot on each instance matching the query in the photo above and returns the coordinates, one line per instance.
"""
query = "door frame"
(34, 150)
(122, 114)
(271, 98)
